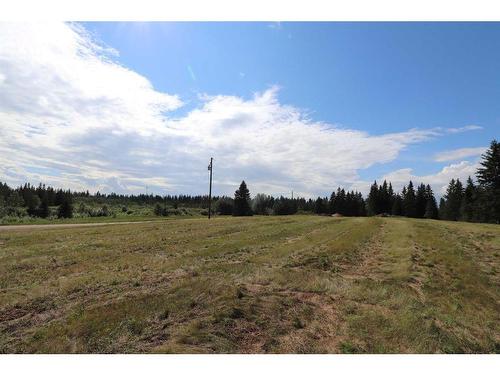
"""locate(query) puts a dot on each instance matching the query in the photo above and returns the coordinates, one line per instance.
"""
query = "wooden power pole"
(210, 189)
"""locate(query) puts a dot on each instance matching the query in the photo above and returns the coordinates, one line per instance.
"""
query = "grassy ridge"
(262, 284)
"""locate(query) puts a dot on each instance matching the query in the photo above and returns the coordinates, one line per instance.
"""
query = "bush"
(65, 210)
(261, 204)
(224, 206)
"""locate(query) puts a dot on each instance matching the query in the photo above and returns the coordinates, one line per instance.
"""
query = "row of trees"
(475, 202)
(36, 201)
(419, 204)
(346, 204)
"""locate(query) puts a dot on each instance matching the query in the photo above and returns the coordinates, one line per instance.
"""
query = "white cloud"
(275, 25)
(463, 129)
(71, 116)
(460, 153)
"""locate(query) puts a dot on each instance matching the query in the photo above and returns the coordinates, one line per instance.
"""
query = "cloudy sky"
(130, 107)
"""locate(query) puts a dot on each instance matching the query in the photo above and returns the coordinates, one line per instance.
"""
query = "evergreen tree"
(65, 209)
(420, 201)
(320, 206)
(158, 211)
(442, 209)
(59, 197)
(373, 200)
(14, 200)
(261, 204)
(431, 209)
(224, 206)
(32, 202)
(384, 198)
(44, 210)
(332, 203)
(467, 207)
(340, 202)
(284, 206)
(361, 210)
(453, 197)
(488, 177)
(409, 201)
(397, 206)
(242, 201)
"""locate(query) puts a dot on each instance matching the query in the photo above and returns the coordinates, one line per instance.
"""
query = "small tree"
(242, 201)
(453, 197)
(224, 206)
(65, 210)
(468, 201)
(158, 210)
(32, 202)
(320, 206)
(261, 203)
(372, 201)
(14, 200)
(44, 210)
(397, 206)
(409, 201)
(488, 177)
(421, 201)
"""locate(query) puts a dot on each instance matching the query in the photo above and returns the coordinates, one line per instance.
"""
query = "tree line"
(477, 202)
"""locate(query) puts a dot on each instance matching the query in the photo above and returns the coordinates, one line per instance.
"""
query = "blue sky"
(376, 80)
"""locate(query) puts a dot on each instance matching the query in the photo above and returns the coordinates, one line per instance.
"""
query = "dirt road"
(4, 228)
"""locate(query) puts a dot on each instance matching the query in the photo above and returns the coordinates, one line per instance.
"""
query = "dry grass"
(298, 284)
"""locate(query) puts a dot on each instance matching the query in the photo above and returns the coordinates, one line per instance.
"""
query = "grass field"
(296, 284)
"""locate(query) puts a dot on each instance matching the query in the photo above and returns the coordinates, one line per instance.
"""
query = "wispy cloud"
(275, 25)
(460, 153)
(462, 129)
(191, 73)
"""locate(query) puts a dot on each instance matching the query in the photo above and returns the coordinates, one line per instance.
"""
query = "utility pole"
(210, 189)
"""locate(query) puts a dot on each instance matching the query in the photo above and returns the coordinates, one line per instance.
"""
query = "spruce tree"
(420, 201)
(431, 208)
(242, 201)
(442, 209)
(14, 200)
(44, 210)
(319, 206)
(488, 177)
(468, 201)
(65, 210)
(32, 202)
(331, 203)
(409, 201)
(453, 197)
(391, 198)
(397, 206)
(384, 198)
(373, 200)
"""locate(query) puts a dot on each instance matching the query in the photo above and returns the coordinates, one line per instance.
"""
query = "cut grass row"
(263, 284)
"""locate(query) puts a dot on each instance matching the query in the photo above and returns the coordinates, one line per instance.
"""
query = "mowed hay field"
(296, 284)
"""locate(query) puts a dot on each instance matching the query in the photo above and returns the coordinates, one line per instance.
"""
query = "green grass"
(297, 284)
(116, 214)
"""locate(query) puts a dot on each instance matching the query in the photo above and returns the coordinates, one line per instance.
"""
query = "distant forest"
(475, 202)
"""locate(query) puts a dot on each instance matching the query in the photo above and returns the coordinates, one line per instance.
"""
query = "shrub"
(224, 206)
